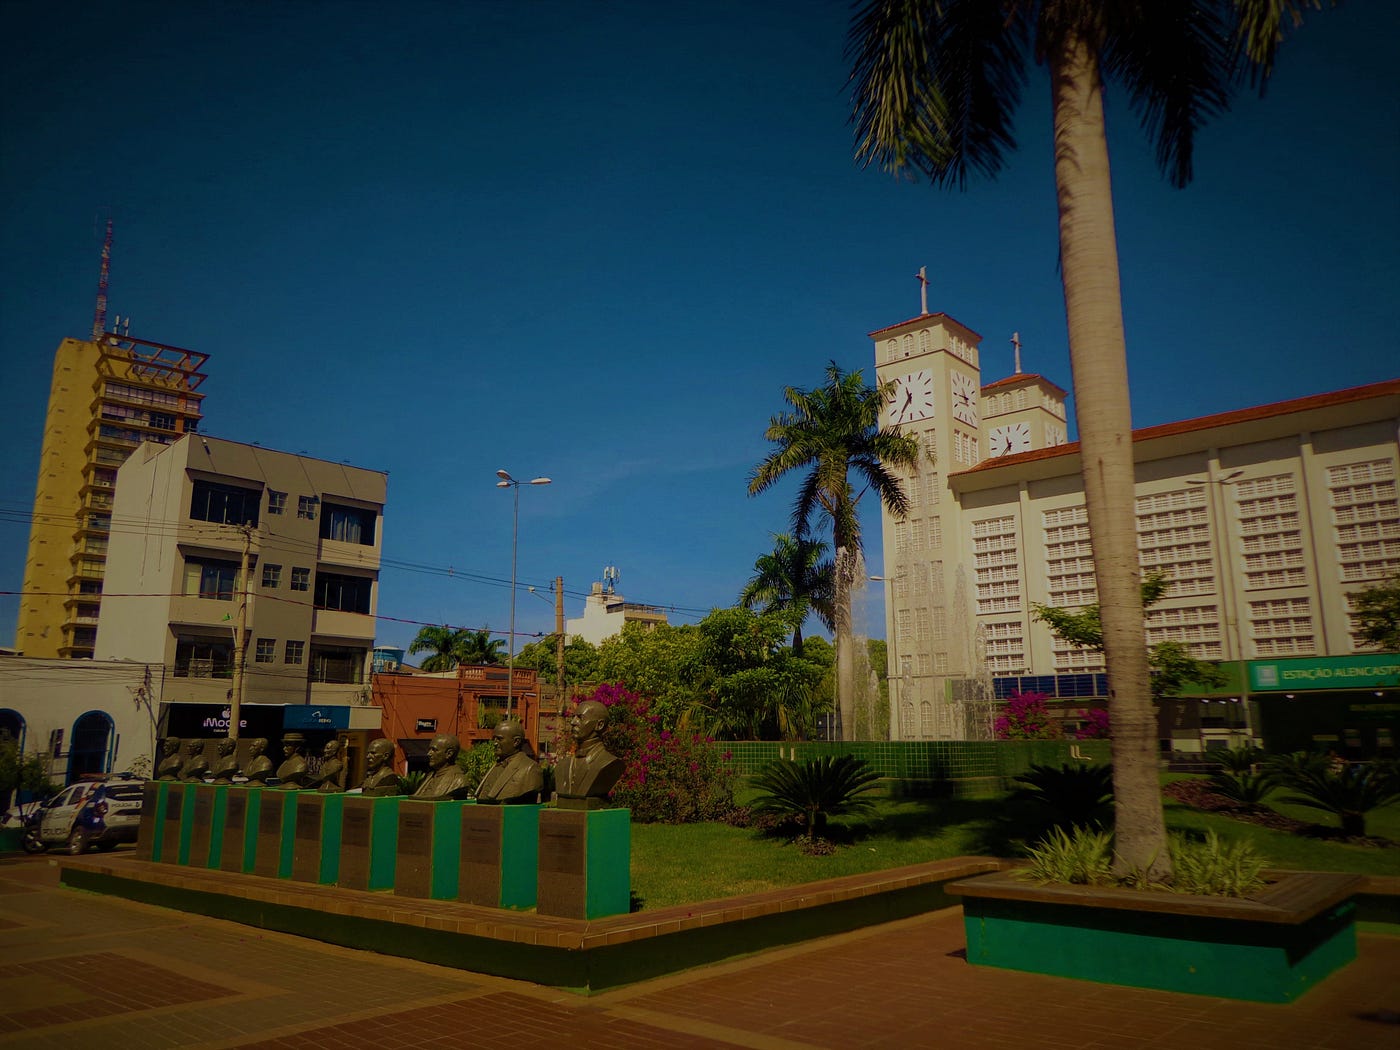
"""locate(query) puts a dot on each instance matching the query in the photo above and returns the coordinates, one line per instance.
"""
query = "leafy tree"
(20, 772)
(833, 434)
(659, 664)
(1171, 663)
(450, 646)
(580, 660)
(935, 84)
(1377, 611)
(796, 579)
(815, 789)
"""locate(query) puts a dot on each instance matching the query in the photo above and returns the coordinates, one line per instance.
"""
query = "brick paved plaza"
(82, 970)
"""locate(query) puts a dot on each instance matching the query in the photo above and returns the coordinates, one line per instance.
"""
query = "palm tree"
(443, 642)
(478, 647)
(815, 789)
(832, 432)
(796, 579)
(935, 83)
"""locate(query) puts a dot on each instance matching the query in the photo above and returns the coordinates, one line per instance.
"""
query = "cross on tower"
(923, 290)
(1016, 342)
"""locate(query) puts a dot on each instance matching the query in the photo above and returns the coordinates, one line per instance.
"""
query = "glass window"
(347, 524)
(272, 575)
(276, 501)
(225, 504)
(295, 653)
(211, 579)
(266, 651)
(306, 507)
(203, 657)
(338, 664)
(345, 593)
(301, 579)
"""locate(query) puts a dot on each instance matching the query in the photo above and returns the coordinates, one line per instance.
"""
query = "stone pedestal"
(240, 832)
(316, 851)
(368, 842)
(500, 854)
(175, 824)
(276, 822)
(149, 835)
(429, 843)
(206, 824)
(585, 860)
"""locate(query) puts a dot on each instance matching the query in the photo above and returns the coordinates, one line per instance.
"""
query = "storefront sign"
(1336, 672)
(426, 725)
(304, 716)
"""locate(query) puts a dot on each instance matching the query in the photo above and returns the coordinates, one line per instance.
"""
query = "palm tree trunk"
(1098, 359)
(845, 644)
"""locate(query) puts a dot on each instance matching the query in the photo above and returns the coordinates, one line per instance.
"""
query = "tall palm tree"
(832, 433)
(478, 647)
(797, 579)
(443, 643)
(935, 83)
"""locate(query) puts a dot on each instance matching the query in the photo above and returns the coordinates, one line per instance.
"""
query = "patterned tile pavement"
(80, 970)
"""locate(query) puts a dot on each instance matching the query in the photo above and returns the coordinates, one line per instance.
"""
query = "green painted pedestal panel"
(500, 856)
(149, 835)
(429, 844)
(205, 844)
(585, 863)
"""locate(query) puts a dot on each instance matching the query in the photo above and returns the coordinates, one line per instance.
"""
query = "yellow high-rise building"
(107, 397)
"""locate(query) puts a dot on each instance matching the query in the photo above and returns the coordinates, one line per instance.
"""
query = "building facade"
(605, 614)
(108, 397)
(192, 516)
(1263, 520)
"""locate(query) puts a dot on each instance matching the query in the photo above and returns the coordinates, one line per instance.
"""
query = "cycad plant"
(1237, 759)
(816, 789)
(1073, 795)
(1348, 793)
(1246, 787)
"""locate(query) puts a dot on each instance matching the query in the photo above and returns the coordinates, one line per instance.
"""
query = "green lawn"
(694, 862)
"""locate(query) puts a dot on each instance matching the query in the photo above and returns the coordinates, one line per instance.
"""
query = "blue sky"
(594, 241)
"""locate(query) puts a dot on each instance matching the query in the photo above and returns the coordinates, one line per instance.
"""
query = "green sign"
(1366, 671)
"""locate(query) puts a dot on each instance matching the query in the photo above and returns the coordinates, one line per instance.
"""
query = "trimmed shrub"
(1026, 717)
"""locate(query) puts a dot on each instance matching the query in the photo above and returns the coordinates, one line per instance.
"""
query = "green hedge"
(923, 760)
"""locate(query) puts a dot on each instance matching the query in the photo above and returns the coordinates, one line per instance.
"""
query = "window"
(266, 651)
(295, 653)
(203, 657)
(162, 421)
(301, 579)
(344, 593)
(338, 664)
(225, 504)
(272, 575)
(347, 524)
(306, 507)
(276, 501)
(210, 578)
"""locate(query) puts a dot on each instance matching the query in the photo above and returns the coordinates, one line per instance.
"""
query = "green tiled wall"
(923, 760)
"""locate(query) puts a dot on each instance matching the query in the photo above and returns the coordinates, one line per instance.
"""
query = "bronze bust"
(330, 778)
(582, 780)
(445, 778)
(516, 778)
(170, 761)
(225, 766)
(293, 771)
(195, 765)
(380, 778)
(259, 766)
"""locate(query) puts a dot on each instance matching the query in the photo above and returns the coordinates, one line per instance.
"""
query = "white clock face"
(965, 393)
(912, 398)
(1010, 439)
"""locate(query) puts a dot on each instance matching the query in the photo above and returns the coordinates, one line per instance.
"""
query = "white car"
(99, 813)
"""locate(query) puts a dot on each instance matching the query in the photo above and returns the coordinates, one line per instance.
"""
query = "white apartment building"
(1264, 520)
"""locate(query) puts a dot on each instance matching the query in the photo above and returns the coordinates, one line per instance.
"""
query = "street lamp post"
(508, 482)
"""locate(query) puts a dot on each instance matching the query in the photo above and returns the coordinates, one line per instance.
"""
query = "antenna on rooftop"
(610, 578)
(99, 316)
(1016, 342)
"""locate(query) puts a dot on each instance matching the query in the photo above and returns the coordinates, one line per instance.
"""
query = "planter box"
(1271, 947)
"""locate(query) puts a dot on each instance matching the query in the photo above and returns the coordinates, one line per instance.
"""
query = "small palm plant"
(1348, 793)
(1245, 787)
(1237, 759)
(1073, 795)
(815, 789)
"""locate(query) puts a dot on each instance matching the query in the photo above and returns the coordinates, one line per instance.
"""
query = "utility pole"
(559, 641)
(240, 631)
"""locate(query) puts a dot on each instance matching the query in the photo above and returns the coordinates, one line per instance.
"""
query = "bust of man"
(259, 766)
(293, 772)
(195, 765)
(330, 778)
(380, 778)
(582, 780)
(516, 777)
(170, 760)
(445, 778)
(226, 764)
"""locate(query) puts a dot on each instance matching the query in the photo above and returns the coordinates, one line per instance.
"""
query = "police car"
(99, 813)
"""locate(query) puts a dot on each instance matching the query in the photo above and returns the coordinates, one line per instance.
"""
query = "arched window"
(908, 346)
(926, 720)
(12, 724)
(90, 747)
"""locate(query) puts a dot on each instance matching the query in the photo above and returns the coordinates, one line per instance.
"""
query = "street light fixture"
(508, 482)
